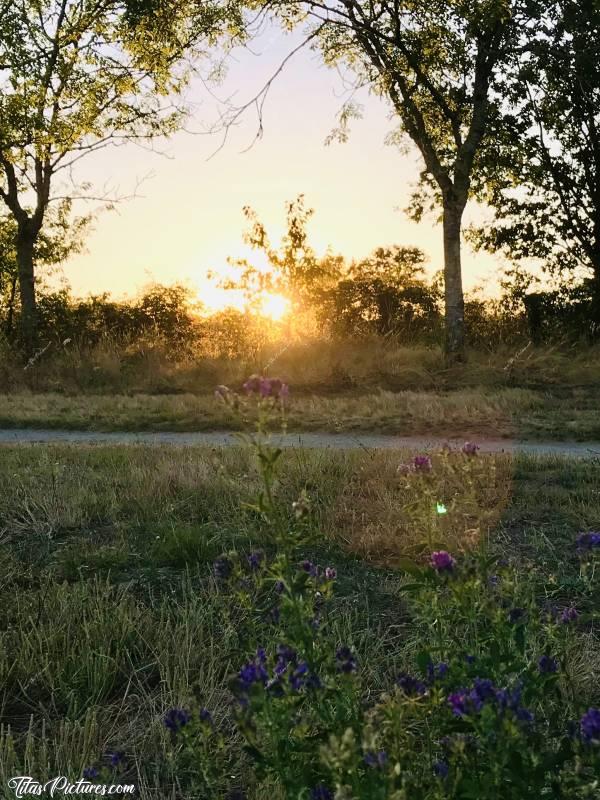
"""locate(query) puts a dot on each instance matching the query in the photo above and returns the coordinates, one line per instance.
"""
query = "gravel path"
(335, 440)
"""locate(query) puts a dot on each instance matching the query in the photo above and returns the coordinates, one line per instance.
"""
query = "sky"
(187, 216)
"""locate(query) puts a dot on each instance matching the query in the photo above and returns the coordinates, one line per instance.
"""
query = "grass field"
(500, 412)
(109, 614)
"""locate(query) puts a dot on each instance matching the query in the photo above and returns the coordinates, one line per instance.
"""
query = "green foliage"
(386, 294)
(61, 236)
(545, 180)
(166, 313)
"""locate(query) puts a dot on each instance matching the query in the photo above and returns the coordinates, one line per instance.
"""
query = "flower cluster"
(422, 463)
(412, 687)
(266, 387)
(376, 760)
(568, 615)
(470, 448)
(467, 702)
(442, 561)
(589, 726)
(114, 762)
(288, 667)
(419, 463)
(176, 718)
(437, 672)
(588, 541)
(547, 665)
(315, 571)
(345, 660)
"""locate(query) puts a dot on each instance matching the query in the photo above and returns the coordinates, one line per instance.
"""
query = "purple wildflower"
(376, 760)
(205, 716)
(255, 560)
(266, 387)
(484, 689)
(547, 665)
(299, 675)
(437, 671)
(345, 660)
(470, 448)
(251, 673)
(279, 587)
(277, 388)
(588, 541)
(589, 726)
(524, 715)
(422, 463)
(506, 699)
(253, 384)
(442, 561)
(458, 703)
(441, 769)
(310, 568)
(176, 718)
(568, 615)
(330, 573)
(321, 792)
(114, 759)
(222, 568)
(285, 656)
(516, 615)
(90, 773)
(411, 686)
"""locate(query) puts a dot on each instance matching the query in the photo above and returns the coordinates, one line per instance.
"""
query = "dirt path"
(335, 440)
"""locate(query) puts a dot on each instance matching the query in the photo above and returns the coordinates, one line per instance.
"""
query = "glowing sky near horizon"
(188, 218)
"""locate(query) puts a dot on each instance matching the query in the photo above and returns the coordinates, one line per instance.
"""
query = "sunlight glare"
(274, 306)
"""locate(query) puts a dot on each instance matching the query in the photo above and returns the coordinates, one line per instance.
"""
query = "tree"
(386, 294)
(546, 194)
(441, 66)
(60, 237)
(292, 270)
(75, 77)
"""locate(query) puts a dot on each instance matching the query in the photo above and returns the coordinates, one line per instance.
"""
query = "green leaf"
(412, 568)
(423, 660)
(413, 587)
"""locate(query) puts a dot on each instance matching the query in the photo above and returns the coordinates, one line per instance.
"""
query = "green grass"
(108, 613)
(502, 412)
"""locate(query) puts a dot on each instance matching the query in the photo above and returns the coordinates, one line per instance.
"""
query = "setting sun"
(274, 306)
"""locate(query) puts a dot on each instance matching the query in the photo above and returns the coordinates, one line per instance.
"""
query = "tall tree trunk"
(25, 242)
(11, 306)
(595, 305)
(453, 290)
(594, 332)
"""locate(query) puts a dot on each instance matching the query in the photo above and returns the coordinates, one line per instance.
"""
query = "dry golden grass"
(385, 513)
(311, 365)
(362, 500)
(467, 411)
